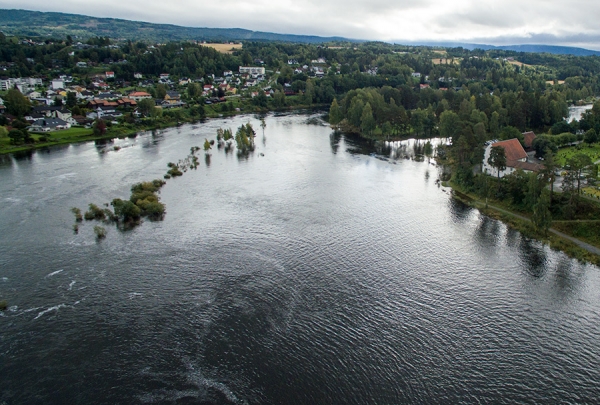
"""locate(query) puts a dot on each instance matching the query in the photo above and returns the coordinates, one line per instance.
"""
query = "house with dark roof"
(516, 158)
(173, 97)
(49, 124)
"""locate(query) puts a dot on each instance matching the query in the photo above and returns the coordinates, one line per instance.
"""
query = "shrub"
(100, 232)
(77, 213)
(126, 210)
(95, 212)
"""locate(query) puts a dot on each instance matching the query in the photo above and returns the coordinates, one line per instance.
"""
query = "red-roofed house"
(139, 95)
(516, 158)
(110, 75)
(528, 142)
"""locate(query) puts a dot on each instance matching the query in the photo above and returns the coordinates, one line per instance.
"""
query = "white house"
(516, 158)
(58, 84)
(49, 124)
(253, 70)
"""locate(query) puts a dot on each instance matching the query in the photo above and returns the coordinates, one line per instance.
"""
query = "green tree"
(207, 146)
(367, 122)
(309, 92)
(495, 124)
(548, 171)
(71, 100)
(145, 106)
(450, 125)
(591, 136)
(428, 150)
(126, 210)
(578, 165)
(335, 113)
(16, 136)
(161, 91)
(542, 218)
(99, 127)
(497, 159)
(16, 103)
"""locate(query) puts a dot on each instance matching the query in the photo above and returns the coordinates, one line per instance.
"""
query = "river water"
(309, 272)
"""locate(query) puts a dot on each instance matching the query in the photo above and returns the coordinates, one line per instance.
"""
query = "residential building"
(516, 158)
(49, 124)
(252, 70)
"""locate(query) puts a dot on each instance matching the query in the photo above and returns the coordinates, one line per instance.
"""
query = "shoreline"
(557, 240)
(120, 132)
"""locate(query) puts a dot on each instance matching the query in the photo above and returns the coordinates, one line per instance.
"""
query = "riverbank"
(125, 130)
(556, 239)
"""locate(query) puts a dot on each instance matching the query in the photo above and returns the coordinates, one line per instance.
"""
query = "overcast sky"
(555, 22)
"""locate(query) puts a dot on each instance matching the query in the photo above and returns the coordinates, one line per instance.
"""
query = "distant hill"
(35, 23)
(553, 49)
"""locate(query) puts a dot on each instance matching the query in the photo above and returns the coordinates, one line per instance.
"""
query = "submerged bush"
(100, 232)
(95, 212)
(77, 212)
(3, 305)
(126, 210)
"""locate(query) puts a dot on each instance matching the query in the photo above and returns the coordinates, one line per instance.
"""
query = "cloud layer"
(556, 22)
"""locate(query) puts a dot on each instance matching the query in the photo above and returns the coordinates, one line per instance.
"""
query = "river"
(309, 272)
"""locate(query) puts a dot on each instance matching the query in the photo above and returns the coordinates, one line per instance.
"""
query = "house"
(79, 120)
(184, 81)
(110, 75)
(97, 103)
(173, 97)
(47, 110)
(423, 86)
(2, 108)
(416, 74)
(81, 64)
(516, 158)
(58, 84)
(528, 140)
(253, 70)
(49, 124)
(139, 95)
(86, 95)
(138, 75)
(63, 114)
(126, 102)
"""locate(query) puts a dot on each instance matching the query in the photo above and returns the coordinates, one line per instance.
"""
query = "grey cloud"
(512, 21)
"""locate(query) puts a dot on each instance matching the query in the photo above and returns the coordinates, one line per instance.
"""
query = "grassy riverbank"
(169, 119)
(498, 210)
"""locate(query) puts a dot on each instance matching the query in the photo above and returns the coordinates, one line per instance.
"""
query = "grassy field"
(593, 151)
(224, 48)
(445, 61)
(517, 63)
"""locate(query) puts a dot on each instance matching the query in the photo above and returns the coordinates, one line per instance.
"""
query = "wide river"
(309, 272)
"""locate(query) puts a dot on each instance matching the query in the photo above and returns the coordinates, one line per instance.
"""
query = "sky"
(507, 22)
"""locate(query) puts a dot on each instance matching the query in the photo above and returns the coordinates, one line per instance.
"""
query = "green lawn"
(593, 151)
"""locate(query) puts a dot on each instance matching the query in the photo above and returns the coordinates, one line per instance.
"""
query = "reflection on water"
(459, 211)
(320, 269)
(533, 256)
(334, 141)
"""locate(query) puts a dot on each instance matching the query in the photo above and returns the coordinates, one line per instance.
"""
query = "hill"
(530, 48)
(35, 23)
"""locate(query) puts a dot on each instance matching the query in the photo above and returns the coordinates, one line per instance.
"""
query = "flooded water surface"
(320, 269)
